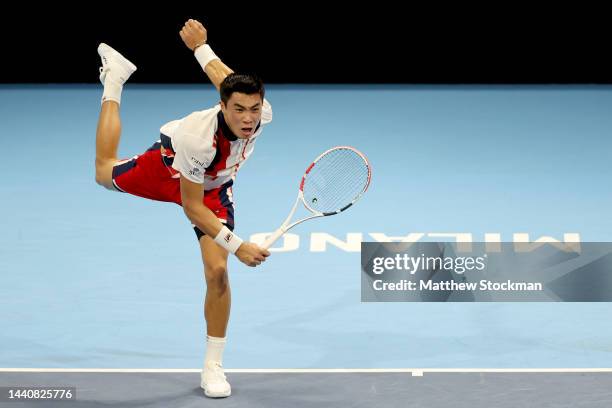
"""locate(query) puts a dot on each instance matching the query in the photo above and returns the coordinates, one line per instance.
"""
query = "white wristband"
(228, 240)
(204, 54)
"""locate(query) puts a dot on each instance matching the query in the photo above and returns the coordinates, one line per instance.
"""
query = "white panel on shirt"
(266, 113)
(193, 141)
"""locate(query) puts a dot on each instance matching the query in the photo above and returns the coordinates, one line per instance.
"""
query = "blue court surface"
(96, 279)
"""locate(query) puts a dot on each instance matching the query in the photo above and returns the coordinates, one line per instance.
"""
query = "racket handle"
(273, 238)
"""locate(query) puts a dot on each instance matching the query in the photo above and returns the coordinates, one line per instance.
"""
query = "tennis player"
(193, 164)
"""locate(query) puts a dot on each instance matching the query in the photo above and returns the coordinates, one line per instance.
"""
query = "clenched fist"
(251, 254)
(193, 34)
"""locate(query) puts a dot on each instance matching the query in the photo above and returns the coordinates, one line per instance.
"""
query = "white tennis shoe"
(214, 382)
(114, 64)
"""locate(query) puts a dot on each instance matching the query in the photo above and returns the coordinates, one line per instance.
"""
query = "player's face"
(242, 114)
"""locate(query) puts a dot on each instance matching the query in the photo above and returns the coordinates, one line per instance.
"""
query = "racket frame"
(272, 238)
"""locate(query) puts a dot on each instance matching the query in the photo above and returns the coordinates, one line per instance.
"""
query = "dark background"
(313, 43)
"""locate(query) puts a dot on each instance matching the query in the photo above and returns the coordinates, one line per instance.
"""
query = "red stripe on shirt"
(223, 152)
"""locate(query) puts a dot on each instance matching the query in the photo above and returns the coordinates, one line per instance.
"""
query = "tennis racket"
(330, 185)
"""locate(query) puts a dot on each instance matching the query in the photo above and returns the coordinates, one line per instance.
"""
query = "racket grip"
(273, 238)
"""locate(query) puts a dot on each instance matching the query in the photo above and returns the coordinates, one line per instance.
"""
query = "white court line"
(413, 371)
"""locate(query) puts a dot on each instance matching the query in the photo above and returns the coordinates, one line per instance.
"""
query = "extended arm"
(199, 214)
(194, 36)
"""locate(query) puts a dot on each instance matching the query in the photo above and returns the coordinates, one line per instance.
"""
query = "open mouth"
(246, 130)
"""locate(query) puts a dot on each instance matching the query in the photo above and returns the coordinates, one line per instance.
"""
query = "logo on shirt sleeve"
(198, 166)
(197, 162)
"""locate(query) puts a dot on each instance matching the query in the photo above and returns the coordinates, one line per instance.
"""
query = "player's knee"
(104, 181)
(104, 174)
(99, 178)
(216, 278)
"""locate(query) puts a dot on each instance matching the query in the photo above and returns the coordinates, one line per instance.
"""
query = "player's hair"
(244, 83)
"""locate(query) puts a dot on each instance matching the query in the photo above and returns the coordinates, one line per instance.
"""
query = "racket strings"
(336, 180)
(333, 193)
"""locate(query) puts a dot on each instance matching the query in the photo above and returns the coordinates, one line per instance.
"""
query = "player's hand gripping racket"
(331, 184)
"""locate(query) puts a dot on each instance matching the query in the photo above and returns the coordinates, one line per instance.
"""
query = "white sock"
(112, 90)
(214, 349)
